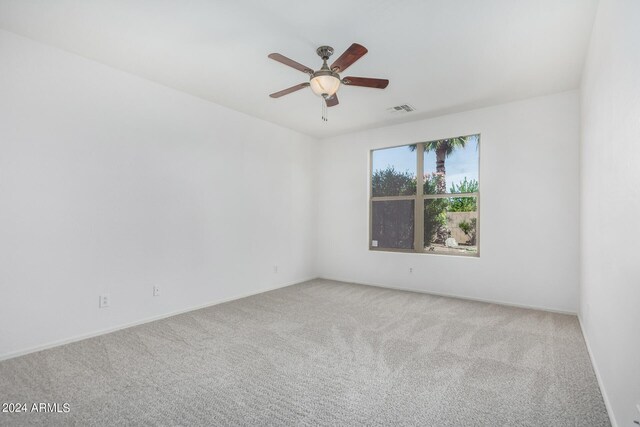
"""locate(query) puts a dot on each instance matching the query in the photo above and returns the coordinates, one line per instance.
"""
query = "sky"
(460, 164)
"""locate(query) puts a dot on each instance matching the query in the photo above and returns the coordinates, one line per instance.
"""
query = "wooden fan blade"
(289, 90)
(366, 82)
(291, 63)
(351, 55)
(332, 101)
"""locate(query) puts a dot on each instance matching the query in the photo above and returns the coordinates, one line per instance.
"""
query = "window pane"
(450, 225)
(392, 224)
(393, 172)
(451, 165)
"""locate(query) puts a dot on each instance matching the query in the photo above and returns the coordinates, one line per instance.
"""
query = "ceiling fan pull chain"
(324, 109)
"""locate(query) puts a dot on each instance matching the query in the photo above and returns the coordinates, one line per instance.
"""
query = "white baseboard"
(81, 337)
(603, 391)
(450, 295)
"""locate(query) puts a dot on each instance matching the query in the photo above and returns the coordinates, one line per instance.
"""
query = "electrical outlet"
(156, 290)
(275, 268)
(105, 301)
(410, 269)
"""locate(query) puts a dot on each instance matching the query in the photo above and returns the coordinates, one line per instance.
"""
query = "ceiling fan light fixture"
(325, 85)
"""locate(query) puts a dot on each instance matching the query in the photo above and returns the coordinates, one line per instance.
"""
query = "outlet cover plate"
(104, 301)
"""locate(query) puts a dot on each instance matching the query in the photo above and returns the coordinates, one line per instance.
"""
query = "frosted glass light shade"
(325, 85)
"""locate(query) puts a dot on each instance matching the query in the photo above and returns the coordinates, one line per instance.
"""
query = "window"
(424, 197)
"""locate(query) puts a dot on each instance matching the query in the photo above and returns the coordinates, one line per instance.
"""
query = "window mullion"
(449, 195)
(418, 217)
(390, 198)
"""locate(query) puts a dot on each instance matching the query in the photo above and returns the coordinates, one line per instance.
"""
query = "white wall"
(610, 199)
(528, 214)
(111, 184)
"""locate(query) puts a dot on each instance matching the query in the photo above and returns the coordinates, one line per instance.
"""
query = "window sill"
(460, 253)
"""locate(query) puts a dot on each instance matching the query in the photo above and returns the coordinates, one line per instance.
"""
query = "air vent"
(404, 108)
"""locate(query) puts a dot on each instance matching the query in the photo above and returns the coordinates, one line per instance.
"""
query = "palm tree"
(443, 149)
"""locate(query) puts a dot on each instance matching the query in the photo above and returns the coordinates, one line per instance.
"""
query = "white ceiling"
(441, 56)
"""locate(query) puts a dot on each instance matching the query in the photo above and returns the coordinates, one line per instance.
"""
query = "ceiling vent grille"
(404, 108)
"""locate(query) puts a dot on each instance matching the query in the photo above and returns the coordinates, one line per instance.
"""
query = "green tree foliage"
(464, 204)
(435, 210)
(465, 186)
(469, 228)
(390, 182)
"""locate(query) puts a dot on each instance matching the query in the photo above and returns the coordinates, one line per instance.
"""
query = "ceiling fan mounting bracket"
(324, 52)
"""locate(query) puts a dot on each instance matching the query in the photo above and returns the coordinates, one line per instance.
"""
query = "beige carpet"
(321, 353)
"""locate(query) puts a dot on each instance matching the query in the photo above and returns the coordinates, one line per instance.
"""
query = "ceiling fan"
(326, 81)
